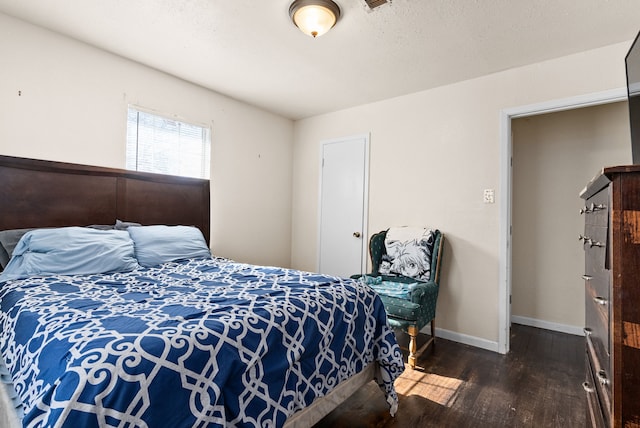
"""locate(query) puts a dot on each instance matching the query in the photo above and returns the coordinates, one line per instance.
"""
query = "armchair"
(410, 301)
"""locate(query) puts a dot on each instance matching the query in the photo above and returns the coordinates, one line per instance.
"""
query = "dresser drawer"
(600, 373)
(600, 282)
(595, 415)
(596, 209)
(594, 242)
(597, 316)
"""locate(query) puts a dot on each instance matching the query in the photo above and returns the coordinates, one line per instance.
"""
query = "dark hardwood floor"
(538, 384)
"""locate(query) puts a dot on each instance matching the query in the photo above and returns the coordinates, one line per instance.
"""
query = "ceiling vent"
(376, 3)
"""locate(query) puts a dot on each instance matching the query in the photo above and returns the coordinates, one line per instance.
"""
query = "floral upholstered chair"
(406, 274)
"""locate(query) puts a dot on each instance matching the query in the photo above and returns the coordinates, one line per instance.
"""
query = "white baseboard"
(489, 345)
(547, 325)
(463, 338)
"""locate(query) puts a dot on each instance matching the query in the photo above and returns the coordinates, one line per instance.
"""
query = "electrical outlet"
(489, 196)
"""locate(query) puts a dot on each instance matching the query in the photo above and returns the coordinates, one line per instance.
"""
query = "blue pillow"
(10, 238)
(160, 244)
(71, 251)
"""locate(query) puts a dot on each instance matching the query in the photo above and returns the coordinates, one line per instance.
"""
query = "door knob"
(356, 234)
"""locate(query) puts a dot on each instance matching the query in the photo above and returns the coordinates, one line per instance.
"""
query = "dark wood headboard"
(37, 193)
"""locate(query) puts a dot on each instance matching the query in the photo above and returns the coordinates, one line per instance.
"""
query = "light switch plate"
(489, 196)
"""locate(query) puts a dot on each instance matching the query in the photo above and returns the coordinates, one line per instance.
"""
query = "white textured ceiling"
(250, 50)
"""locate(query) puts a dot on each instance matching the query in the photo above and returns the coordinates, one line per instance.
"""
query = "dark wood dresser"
(611, 243)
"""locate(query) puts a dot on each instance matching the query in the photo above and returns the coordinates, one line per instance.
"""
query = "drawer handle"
(587, 388)
(590, 241)
(587, 331)
(587, 277)
(602, 378)
(600, 300)
(593, 208)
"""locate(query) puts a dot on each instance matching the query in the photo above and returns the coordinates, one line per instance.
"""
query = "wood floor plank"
(538, 384)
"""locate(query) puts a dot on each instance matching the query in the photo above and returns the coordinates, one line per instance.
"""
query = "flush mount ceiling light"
(314, 17)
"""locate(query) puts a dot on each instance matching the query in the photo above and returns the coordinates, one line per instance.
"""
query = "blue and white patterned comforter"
(196, 343)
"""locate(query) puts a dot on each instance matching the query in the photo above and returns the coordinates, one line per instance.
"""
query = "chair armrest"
(400, 308)
(423, 291)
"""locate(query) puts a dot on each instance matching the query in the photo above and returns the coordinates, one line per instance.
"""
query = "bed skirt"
(323, 406)
(10, 405)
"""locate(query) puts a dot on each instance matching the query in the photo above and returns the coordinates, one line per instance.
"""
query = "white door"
(343, 206)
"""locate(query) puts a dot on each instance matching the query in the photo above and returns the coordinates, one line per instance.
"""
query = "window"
(167, 146)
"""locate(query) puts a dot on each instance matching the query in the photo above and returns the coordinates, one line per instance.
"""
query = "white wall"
(554, 156)
(432, 154)
(73, 106)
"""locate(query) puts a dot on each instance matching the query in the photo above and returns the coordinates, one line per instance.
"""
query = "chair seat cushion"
(401, 290)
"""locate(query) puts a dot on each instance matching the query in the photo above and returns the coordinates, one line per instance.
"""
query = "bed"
(162, 333)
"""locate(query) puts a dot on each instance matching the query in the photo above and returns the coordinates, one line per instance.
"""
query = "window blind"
(167, 146)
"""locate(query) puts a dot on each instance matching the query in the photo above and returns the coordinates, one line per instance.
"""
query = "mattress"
(199, 342)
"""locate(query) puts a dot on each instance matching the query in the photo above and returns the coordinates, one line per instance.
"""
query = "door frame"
(365, 198)
(506, 186)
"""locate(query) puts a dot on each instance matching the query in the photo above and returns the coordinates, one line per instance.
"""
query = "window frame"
(132, 160)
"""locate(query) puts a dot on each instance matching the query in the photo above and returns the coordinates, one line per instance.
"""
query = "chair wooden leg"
(413, 333)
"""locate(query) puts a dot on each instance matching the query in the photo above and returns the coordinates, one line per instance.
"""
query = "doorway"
(554, 156)
(344, 185)
(506, 186)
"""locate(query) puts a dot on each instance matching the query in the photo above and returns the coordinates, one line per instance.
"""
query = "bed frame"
(38, 193)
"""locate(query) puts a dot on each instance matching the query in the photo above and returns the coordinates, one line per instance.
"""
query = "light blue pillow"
(71, 251)
(160, 244)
